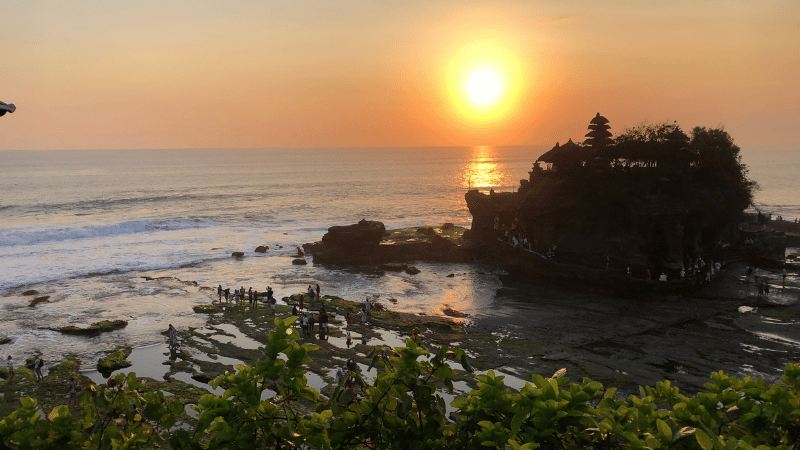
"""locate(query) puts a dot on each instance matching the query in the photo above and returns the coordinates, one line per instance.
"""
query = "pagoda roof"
(599, 120)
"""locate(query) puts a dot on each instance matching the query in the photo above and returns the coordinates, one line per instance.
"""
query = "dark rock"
(261, 249)
(448, 226)
(361, 236)
(454, 313)
(393, 267)
(411, 270)
(299, 262)
(201, 377)
(30, 292)
(237, 254)
(451, 275)
(38, 300)
(299, 253)
(428, 231)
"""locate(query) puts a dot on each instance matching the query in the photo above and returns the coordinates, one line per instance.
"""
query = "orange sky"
(294, 73)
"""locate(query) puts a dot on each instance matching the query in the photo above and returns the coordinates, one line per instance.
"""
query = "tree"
(720, 164)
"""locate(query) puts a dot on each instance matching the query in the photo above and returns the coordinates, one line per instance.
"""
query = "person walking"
(219, 292)
(172, 336)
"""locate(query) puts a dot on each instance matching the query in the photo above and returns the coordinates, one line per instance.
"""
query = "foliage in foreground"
(402, 409)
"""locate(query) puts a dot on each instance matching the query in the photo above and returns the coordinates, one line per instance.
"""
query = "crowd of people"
(249, 297)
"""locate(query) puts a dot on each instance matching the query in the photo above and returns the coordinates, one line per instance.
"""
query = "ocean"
(87, 226)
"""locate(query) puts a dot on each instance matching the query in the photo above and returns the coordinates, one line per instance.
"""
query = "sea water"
(88, 227)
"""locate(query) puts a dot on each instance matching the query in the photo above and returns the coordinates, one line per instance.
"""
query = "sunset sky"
(349, 73)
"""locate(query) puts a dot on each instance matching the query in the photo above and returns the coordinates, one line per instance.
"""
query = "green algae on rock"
(114, 359)
(95, 328)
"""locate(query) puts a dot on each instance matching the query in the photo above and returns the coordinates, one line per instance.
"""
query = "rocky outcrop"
(360, 237)
(261, 249)
(299, 262)
(95, 328)
(237, 254)
(369, 243)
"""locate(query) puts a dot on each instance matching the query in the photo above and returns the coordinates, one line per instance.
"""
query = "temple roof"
(599, 120)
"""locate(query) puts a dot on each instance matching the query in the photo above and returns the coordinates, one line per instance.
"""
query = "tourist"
(269, 293)
(304, 324)
(311, 321)
(172, 336)
(301, 302)
(241, 294)
(320, 298)
(310, 291)
(219, 292)
(10, 365)
(368, 306)
(228, 296)
(363, 317)
(294, 310)
(347, 319)
(250, 294)
(37, 367)
(272, 305)
(254, 299)
(74, 391)
(341, 375)
(236, 297)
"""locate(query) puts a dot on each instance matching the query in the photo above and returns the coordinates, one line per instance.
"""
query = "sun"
(484, 86)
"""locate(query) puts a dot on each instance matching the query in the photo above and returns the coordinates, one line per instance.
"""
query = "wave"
(37, 235)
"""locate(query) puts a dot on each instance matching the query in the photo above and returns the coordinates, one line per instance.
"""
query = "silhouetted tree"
(662, 145)
(720, 167)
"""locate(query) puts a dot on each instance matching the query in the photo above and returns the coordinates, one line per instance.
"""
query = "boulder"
(30, 292)
(237, 254)
(299, 262)
(411, 270)
(448, 226)
(261, 249)
(362, 236)
(38, 300)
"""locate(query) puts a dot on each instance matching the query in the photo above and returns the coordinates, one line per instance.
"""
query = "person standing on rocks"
(348, 320)
(219, 292)
(318, 297)
(301, 302)
(38, 362)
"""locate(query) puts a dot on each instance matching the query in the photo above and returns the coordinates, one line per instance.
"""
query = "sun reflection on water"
(484, 172)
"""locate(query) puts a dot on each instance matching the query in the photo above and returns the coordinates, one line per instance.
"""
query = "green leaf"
(704, 440)
(664, 431)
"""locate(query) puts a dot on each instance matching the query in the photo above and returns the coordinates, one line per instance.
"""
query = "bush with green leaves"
(270, 406)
